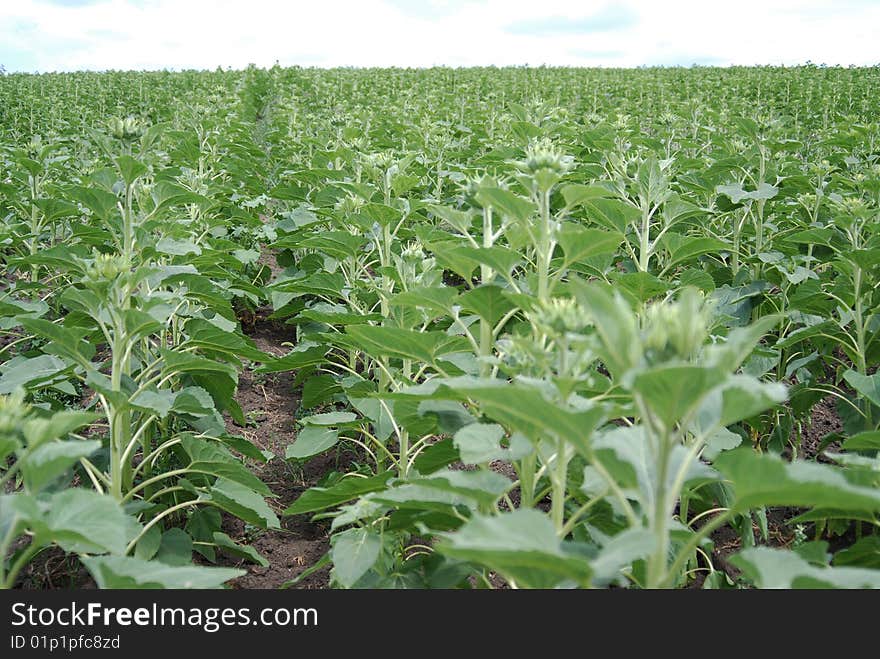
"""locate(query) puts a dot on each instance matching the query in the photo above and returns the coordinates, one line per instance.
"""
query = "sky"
(67, 35)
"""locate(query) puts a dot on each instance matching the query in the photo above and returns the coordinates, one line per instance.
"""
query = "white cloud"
(154, 34)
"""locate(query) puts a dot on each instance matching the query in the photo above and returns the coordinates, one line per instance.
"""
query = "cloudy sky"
(64, 35)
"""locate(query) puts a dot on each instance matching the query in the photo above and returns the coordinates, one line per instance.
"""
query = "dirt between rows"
(270, 402)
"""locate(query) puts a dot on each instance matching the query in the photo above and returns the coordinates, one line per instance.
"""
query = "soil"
(270, 403)
(823, 421)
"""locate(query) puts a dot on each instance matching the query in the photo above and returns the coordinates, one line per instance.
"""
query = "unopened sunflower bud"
(559, 316)
(676, 330)
(106, 267)
(545, 163)
(127, 129)
(13, 411)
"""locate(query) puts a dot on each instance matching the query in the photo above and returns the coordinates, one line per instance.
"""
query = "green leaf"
(240, 551)
(353, 553)
(448, 487)
(672, 392)
(521, 545)
(864, 553)
(329, 419)
(184, 362)
(149, 543)
(243, 502)
(319, 389)
(50, 460)
(322, 498)
(867, 385)
(692, 247)
(126, 572)
(640, 286)
(479, 443)
(66, 341)
(460, 220)
(863, 441)
(775, 568)
(575, 194)
(130, 168)
(311, 441)
(500, 259)
(436, 456)
(620, 552)
(177, 247)
(525, 409)
(175, 548)
(510, 204)
(765, 480)
(426, 347)
(438, 299)
(300, 357)
(486, 301)
(81, 520)
(579, 243)
(612, 213)
(157, 402)
(58, 426)
(210, 337)
(31, 372)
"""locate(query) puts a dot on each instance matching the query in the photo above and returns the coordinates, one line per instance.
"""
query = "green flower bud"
(676, 330)
(13, 411)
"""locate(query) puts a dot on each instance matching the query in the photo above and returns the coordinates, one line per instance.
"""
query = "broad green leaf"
(487, 301)
(58, 426)
(579, 243)
(478, 443)
(508, 203)
(229, 546)
(185, 362)
(243, 502)
(438, 299)
(615, 324)
(322, 498)
(329, 419)
(80, 520)
(864, 553)
(425, 347)
(175, 548)
(311, 441)
(353, 553)
(863, 441)
(301, 356)
(775, 568)
(210, 337)
(31, 372)
(692, 247)
(436, 456)
(620, 552)
(612, 213)
(66, 341)
(130, 168)
(866, 385)
(672, 392)
(521, 545)
(126, 572)
(575, 194)
(176, 247)
(50, 460)
(319, 389)
(765, 480)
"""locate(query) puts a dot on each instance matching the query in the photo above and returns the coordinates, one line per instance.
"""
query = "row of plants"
(572, 323)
